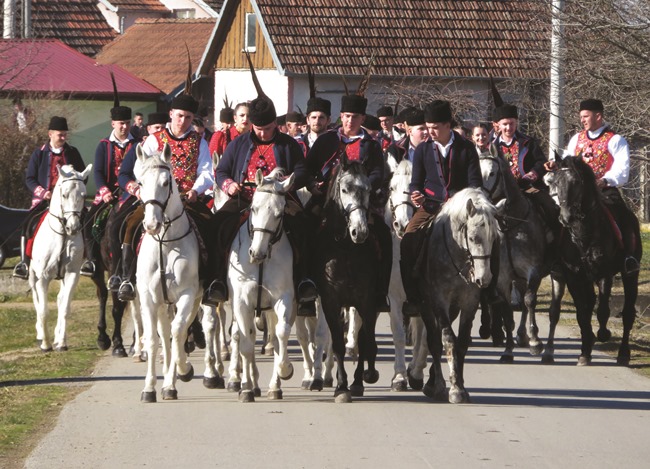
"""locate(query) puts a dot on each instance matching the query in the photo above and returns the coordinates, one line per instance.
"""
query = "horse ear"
(285, 185)
(86, 172)
(62, 171)
(501, 207)
(139, 153)
(215, 159)
(166, 153)
(471, 209)
(259, 177)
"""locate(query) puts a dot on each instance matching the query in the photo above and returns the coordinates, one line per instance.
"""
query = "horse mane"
(152, 160)
(404, 168)
(455, 209)
(277, 174)
(585, 172)
(353, 168)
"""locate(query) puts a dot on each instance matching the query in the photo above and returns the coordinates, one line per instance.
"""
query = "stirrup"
(631, 265)
(306, 291)
(88, 269)
(126, 291)
(216, 293)
(21, 271)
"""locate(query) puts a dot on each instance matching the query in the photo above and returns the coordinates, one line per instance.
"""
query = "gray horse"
(525, 260)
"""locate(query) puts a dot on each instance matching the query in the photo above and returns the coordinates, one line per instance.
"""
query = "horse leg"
(182, 368)
(354, 325)
(246, 338)
(557, 292)
(462, 344)
(457, 393)
(332, 314)
(630, 290)
(530, 305)
(165, 316)
(370, 375)
(507, 315)
(603, 311)
(435, 387)
(485, 331)
(322, 348)
(149, 327)
(399, 382)
(302, 334)
(39, 295)
(103, 341)
(420, 353)
(138, 348)
(63, 300)
(211, 376)
(223, 340)
(234, 370)
(584, 298)
(118, 315)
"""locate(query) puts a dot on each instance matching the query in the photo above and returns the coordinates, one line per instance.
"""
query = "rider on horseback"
(40, 178)
(608, 155)
(108, 157)
(442, 166)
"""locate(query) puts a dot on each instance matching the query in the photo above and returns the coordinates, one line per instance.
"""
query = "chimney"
(9, 30)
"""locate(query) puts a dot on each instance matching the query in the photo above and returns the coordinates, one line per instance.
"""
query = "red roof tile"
(139, 5)
(408, 37)
(165, 64)
(48, 65)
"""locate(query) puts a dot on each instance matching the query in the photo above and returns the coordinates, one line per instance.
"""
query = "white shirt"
(619, 173)
(444, 149)
(204, 172)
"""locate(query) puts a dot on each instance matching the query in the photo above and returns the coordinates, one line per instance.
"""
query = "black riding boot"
(88, 267)
(126, 291)
(21, 270)
(215, 290)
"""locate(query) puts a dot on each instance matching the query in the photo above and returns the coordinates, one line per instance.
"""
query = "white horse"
(251, 255)
(167, 273)
(58, 254)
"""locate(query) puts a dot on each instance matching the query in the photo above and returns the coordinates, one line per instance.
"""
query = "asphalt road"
(521, 415)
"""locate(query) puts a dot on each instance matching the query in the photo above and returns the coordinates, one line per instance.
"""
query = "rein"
(469, 261)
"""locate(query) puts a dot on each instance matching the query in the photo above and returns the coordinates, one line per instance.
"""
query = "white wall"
(186, 4)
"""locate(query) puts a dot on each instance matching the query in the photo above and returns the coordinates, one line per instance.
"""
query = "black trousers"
(625, 218)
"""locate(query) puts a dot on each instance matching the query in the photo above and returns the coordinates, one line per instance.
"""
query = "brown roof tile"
(154, 49)
(139, 5)
(409, 37)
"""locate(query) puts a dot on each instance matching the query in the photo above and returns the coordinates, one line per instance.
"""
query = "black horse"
(346, 266)
(600, 254)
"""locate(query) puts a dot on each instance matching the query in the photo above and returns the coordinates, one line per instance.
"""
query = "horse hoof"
(343, 397)
(233, 386)
(188, 376)
(414, 383)
(119, 352)
(148, 396)
(290, 375)
(274, 395)
(548, 359)
(536, 349)
(268, 351)
(436, 395)
(139, 358)
(522, 340)
(328, 383)
(189, 346)
(305, 385)
(246, 396)
(356, 390)
(497, 342)
(584, 360)
(507, 358)
(132, 350)
(169, 394)
(350, 352)
(458, 397)
(623, 359)
(316, 385)
(398, 386)
(144, 356)
(62, 348)
(484, 332)
(603, 335)
(257, 392)
(103, 343)
(371, 376)
(215, 382)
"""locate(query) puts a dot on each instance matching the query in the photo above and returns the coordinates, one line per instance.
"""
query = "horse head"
(474, 227)
(157, 185)
(267, 212)
(574, 184)
(493, 173)
(400, 208)
(68, 197)
(350, 194)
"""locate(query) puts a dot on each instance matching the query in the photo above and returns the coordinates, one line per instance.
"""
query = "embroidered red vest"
(511, 154)
(262, 158)
(595, 152)
(185, 157)
(54, 172)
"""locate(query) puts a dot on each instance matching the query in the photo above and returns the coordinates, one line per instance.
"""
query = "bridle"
(469, 257)
(62, 218)
(275, 234)
(499, 176)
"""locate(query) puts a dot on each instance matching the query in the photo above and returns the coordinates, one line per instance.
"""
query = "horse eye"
(344, 190)
(165, 184)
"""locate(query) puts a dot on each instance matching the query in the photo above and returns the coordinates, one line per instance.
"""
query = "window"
(250, 38)
(185, 13)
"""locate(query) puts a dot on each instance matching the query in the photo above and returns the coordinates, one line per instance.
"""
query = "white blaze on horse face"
(267, 210)
(354, 195)
(70, 197)
(400, 208)
(156, 185)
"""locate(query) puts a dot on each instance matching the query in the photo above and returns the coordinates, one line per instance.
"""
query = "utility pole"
(9, 23)
(557, 80)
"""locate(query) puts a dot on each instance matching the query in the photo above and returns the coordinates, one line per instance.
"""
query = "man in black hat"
(608, 155)
(442, 166)
(353, 141)
(416, 133)
(40, 178)
(294, 121)
(109, 155)
(386, 119)
(264, 148)
(319, 113)
(193, 172)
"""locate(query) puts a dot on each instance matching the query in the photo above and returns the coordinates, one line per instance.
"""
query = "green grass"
(34, 385)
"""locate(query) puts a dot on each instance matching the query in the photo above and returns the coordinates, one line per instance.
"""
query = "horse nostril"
(354, 233)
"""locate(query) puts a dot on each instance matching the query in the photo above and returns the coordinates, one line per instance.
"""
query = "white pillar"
(556, 107)
(9, 27)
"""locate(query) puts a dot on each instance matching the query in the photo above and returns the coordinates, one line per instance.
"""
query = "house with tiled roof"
(154, 50)
(48, 74)
(411, 41)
